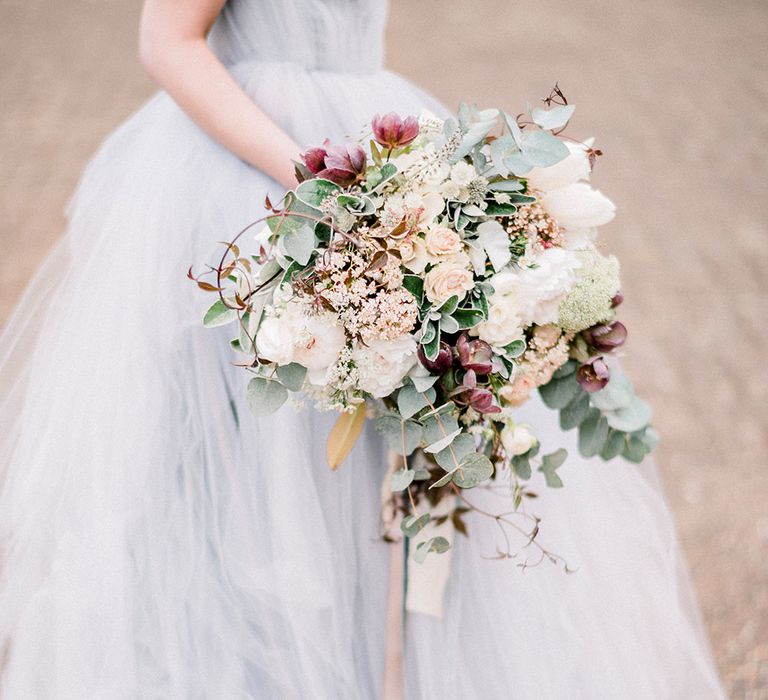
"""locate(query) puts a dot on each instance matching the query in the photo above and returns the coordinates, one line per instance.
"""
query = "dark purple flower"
(391, 131)
(344, 165)
(475, 354)
(617, 299)
(607, 337)
(593, 375)
(482, 401)
(479, 398)
(442, 363)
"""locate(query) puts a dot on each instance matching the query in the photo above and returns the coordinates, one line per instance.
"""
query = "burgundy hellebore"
(476, 355)
(593, 375)
(391, 131)
(344, 165)
(605, 338)
(477, 397)
(442, 363)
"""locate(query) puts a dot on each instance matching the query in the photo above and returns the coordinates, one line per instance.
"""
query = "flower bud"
(391, 131)
(606, 337)
(442, 363)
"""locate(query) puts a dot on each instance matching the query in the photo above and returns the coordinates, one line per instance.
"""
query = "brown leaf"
(343, 436)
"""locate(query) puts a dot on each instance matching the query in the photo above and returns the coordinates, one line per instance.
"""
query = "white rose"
(542, 288)
(293, 335)
(574, 167)
(503, 324)
(448, 278)
(517, 439)
(318, 345)
(383, 364)
(578, 206)
(413, 253)
(274, 340)
(442, 241)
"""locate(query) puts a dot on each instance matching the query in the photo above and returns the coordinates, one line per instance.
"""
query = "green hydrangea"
(589, 302)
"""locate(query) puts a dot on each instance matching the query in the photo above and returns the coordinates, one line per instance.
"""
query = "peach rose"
(446, 279)
(442, 241)
(413, 254)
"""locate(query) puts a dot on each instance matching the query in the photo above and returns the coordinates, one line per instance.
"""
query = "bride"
(158, 541)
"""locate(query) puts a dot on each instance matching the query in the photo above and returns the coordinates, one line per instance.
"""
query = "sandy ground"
(677, 93)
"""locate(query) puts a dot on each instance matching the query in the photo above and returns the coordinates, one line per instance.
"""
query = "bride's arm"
(173, 50)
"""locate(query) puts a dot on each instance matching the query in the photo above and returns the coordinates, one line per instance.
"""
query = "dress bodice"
(344, 36)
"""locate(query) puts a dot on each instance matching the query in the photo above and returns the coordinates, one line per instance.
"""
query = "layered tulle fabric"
(158, 541)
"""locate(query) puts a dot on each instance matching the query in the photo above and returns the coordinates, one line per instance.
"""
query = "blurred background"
(677, 94)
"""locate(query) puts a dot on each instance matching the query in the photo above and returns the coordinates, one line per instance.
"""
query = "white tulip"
(578, 206)
(574, 167)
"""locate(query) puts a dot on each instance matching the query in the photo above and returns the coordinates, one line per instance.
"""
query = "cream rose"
(448, 278)
(503, 325)
(442, 241)
(382, 364)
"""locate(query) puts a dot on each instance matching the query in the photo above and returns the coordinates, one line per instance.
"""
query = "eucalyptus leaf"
(401, 479)
(617, 393)
(550, 464)
(474, 469)
(265, 396)
(554, 118)
(292, 375)
(575, 412)
(395, 432)
(299, 244)
(434, 544)
(593, 432)
(558, 393)
(410, 401)
(219, 315)
(522, 465)
(423, 382)
(630, 418)
(634, 450)
(443, 442)
(543, 150)
(452, 455)
(614, 445)
(412, 525)
(315, 192)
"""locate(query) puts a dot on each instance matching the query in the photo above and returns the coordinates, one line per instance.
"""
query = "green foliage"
(474, 469)
(265, 396)
(219, 315)
(550, 464)
(412, 525)
(433, 544)
(401, 479)
(292, 376)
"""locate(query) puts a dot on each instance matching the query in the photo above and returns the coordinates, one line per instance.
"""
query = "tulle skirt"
(158, 541)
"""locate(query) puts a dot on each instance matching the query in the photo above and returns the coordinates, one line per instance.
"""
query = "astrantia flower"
(343, 165)
(391, 131)
(590, 301)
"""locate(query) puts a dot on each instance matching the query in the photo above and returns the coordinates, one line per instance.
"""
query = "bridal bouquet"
(430, 277)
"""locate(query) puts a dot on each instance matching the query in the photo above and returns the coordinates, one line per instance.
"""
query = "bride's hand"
(174, 51)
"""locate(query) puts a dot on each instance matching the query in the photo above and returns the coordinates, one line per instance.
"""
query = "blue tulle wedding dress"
(158, 541)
